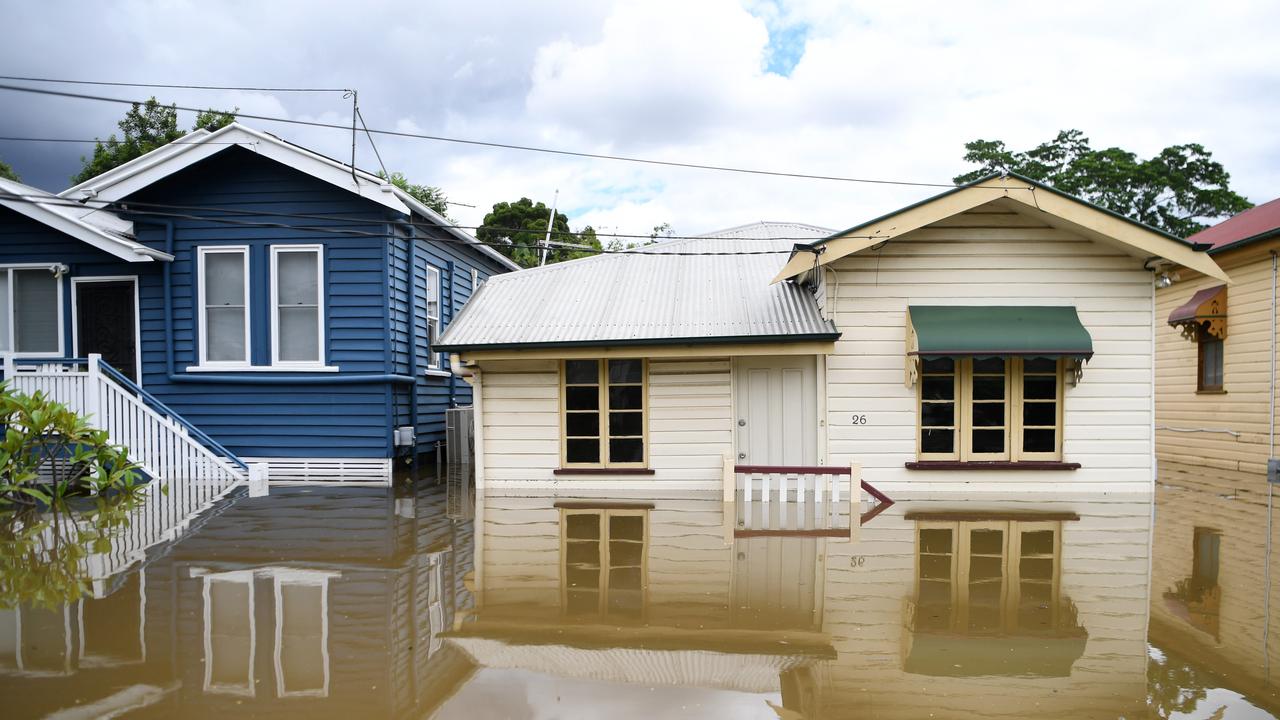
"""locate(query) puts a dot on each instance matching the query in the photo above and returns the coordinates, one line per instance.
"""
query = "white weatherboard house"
(996, 336)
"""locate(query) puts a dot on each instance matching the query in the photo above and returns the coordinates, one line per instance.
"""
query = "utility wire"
(506, 146)
(174, 87)
(130, 209)
(348, 221)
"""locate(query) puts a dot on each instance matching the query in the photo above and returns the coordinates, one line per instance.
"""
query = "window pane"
(935, 414)
(582, 372)
(224, 278)
(988, 365)
(582, 451)
(988, 414)
(988, 441)
(625, 553)
(302, 636)
(4, 310)
(583, 526)
(1039, 440)
(299, 334)
(582, 553)
(988, 388)
(582, 398)
(626, 451)
(937, 441)
(627, 397)
(937, 388)
(225, 334)
(1040, 365)
(1040, 387)
(626, 371)
(35, 312)
(582, 577)
(986, 542)
(938, 365)
(935, 567)
(1037, 542)
(296, 278)
(582, 424)
(935, 540)
(626, 527)
(626, 423)
(1040, 413)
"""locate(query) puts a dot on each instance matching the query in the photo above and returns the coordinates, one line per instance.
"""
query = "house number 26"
(859, 419)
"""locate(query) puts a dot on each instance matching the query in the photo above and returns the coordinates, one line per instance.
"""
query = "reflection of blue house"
(279, 300)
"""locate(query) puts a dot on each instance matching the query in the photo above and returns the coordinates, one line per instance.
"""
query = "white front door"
(777, 410)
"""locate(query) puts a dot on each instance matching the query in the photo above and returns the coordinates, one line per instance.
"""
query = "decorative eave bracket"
(1204, 314)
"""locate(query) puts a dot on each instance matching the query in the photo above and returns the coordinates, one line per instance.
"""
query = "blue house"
(282, 302)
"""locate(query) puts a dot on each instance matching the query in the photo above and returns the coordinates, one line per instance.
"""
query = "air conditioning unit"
(459, 433)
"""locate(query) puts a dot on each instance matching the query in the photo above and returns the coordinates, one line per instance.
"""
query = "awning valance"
(1207, 309)
(967, 331)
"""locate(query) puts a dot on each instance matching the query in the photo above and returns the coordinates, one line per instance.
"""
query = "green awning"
(970, 330)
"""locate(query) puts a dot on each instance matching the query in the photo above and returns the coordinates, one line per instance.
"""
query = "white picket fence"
(825, 501)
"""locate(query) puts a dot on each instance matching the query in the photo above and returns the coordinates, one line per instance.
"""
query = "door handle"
(742, 456)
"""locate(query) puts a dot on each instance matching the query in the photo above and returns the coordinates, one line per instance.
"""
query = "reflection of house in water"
(971, 599)
(275, 606)
(1210, 590)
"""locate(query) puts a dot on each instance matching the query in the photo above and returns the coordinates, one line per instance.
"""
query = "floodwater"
(415, 602)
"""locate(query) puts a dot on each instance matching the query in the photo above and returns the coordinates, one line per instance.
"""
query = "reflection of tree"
(43, 551)
(1173, 685)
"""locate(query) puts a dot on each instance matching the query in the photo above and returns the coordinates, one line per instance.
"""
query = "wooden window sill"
(980, 516)
(1211, 392)
(991, 465)
(602, 505)
(602, 471)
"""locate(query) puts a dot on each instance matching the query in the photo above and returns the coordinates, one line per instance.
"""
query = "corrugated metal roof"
(650, 298)
(1251, 223)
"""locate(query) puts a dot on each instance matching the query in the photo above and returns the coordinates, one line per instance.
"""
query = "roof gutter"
(642, 342)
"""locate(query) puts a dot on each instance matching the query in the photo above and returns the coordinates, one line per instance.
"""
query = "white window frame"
(433, 357)
(244, 577)
(201, 314)
(13, 325)
(319, 362)
(311, 578)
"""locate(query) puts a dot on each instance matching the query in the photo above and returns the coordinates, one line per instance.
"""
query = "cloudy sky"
(867, 89)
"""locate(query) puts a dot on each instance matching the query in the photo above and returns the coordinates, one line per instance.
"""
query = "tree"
(429, 195)
(145, 127)
(1175, 191)
(519, 229)
(7, 172)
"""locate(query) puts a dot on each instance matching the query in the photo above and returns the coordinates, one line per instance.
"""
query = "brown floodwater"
(415, 602)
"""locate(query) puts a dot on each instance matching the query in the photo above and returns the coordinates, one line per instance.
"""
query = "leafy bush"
(49, 452)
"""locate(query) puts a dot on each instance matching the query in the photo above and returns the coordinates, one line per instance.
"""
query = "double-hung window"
(1209, 356)
(603, 562)
(297, 306)
(990, 409)
(224, 305)
(604, 419)
(433, 315)
(30, 311)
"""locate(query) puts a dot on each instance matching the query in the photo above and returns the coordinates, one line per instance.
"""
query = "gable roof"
(103, 230)
(120, 182)
(1256, 223)
(647, 297)
(1023, 195)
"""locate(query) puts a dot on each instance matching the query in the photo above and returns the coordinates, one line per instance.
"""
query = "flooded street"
(325, 602)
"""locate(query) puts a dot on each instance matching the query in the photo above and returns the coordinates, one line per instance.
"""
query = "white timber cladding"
(690, 423)
(992, 256)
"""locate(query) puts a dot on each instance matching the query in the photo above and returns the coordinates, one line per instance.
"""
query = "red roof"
(1247, 224)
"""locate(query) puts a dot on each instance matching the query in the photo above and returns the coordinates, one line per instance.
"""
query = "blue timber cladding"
(367, 312)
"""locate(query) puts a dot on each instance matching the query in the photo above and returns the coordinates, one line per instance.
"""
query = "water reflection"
(425, 601)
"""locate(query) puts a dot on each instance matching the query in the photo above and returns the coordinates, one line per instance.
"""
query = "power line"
(174, 87)
(173, 211)
(505, 146)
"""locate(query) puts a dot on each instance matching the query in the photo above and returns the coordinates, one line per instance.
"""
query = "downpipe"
(1271, 453)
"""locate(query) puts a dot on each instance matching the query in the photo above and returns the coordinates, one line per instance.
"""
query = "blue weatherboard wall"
(366, 313)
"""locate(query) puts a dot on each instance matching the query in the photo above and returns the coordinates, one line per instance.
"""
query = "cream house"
(998, 335)
(1216, 372)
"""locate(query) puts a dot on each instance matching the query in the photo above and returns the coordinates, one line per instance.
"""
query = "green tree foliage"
(429, 195)
(518, 229)
(7, 172)
(1181, 190)
(144, 128)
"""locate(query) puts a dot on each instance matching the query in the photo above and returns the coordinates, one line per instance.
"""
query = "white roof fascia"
(127, 169)
(121, 185)
(435, 217)
(97, 237)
